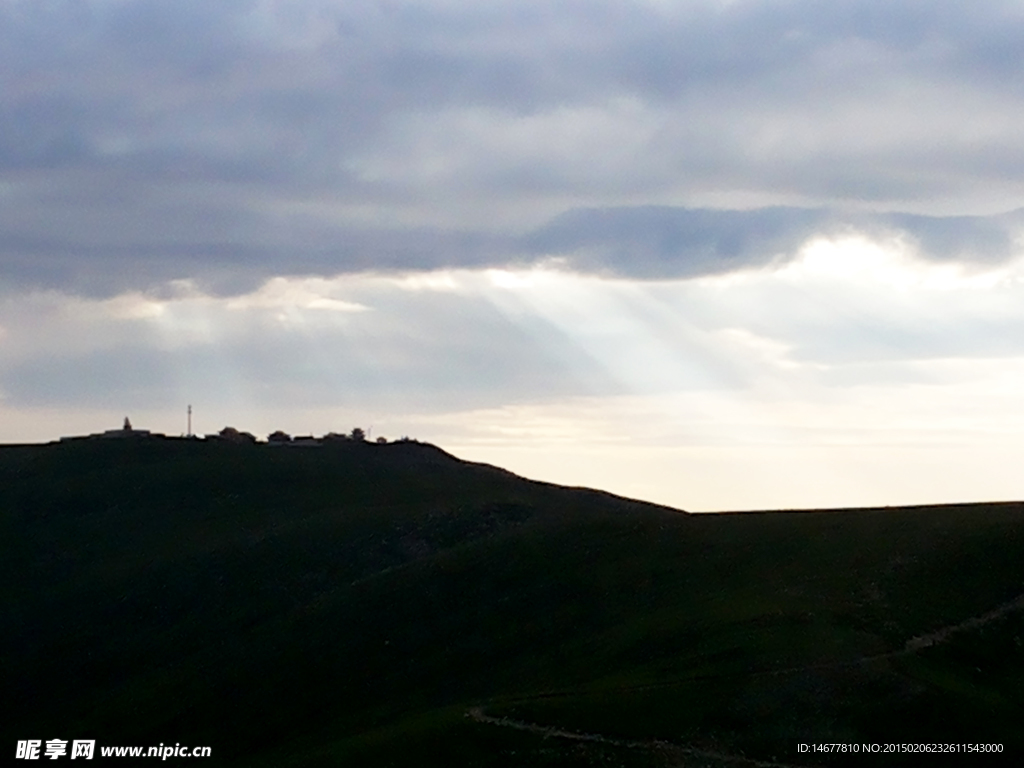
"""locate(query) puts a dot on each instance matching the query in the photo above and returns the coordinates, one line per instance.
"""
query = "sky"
(718, 254)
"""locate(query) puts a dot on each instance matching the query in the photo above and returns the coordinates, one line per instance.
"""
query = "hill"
(365, 604)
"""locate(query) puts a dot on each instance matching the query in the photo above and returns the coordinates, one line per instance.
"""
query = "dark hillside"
(364, 604)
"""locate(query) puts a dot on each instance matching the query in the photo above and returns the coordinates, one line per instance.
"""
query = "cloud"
(143, 142)
(673, 242)
(665, 243)
(295, 342)
(844, 312)
(139, 250)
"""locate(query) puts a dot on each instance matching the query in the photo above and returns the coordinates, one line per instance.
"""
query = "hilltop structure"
(125, 431)
(232, 435)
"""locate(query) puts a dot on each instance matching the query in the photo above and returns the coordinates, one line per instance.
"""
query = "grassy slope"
(348, 605)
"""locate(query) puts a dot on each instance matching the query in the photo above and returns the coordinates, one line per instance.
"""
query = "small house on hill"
(232, 435)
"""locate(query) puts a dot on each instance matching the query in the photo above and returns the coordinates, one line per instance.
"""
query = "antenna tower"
(190, 421)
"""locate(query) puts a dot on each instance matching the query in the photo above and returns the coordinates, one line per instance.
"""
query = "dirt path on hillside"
(943, 634)
(677, 751)
(657, 746)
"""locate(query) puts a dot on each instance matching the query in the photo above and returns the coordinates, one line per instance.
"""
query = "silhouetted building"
(125, 431)
(232, 435)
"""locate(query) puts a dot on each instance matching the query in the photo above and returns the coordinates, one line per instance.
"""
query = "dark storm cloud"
(143, 141)
(672, 242)
(663, 242)
(223, 267)
(973, 238)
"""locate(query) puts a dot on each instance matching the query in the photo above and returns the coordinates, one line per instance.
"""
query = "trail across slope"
(669, 749)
